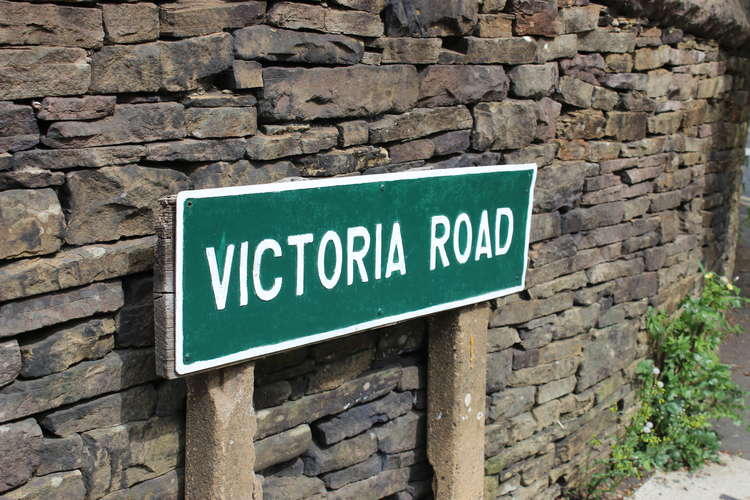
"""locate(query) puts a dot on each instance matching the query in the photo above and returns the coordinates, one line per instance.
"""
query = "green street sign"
(265, 268)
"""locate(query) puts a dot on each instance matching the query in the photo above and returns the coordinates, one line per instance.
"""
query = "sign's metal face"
(261, 269)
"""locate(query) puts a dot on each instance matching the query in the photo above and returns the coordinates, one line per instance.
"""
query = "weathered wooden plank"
(164, 265)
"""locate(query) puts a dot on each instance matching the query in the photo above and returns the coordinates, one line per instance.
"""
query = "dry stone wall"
(637, 128)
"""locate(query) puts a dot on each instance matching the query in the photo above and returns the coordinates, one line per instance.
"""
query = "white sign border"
(182, 368)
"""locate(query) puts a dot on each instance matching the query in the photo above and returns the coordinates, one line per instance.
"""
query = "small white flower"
(646, 430)
(650, 425)
(660, 384)
(656, 371)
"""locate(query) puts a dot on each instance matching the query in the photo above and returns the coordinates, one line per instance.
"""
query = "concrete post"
(220, 427)
(457, 364)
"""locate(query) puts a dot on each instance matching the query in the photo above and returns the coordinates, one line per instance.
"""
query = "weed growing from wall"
(681, 390)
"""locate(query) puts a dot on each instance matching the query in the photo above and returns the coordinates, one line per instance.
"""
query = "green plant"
(680, 391)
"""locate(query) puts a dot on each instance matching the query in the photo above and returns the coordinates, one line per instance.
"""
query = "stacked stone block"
(637, 128)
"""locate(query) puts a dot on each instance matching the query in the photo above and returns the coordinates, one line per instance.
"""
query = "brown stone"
(611, 349)
(33, 178)
(424, 18)
(75, 267)
(112, 462)
(297, 15)
(269, 147)
(320, 460)
(504, 125)
(59, 455)
(605, 99)
(43, 71)
(353, 23)
(534, 80)
(404, 433)
(282, 447)
(627, 126)
(216, 99)
(220, 422)
(419, 123)
(48, 24)
(446, 85)
(19, 452)
(93, 217)
(619, 63)
(241, 173)
(332, 375)
(297, 487)
(648, 58)
(245, 75)
(451, 142)
(354, 421)
(521, 312)
(361, 471)
(409, 50)
(576, 92)
(115, 372)
(548, 114)
(495, 26)
(307, 94)
(62, 485)
(605, 214)
(205, 123)
(410, 151)
(539, 17)
(133, 404)
(172, 65)
(186, 62)
(388, 482)
(79, 158)
(76, 108)
(31, 314)
(169, 485)
(557, 48)
(127, 68)
(10, 361)
(607, 41)
(374, 6)
(658, 83)
(584, 124)
(493, 6)
(500, 50)
(196, 150)
(560, 184)
(130, 22)
(343, 161)
(555, 389)
(579, 19)
(32, 222)
(276, 44)
(315, 406)
(181, 20)
(18, 128)
(54, 351)
(135, 320)
(130, 123)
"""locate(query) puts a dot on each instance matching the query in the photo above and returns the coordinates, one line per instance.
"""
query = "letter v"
(220, 287)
